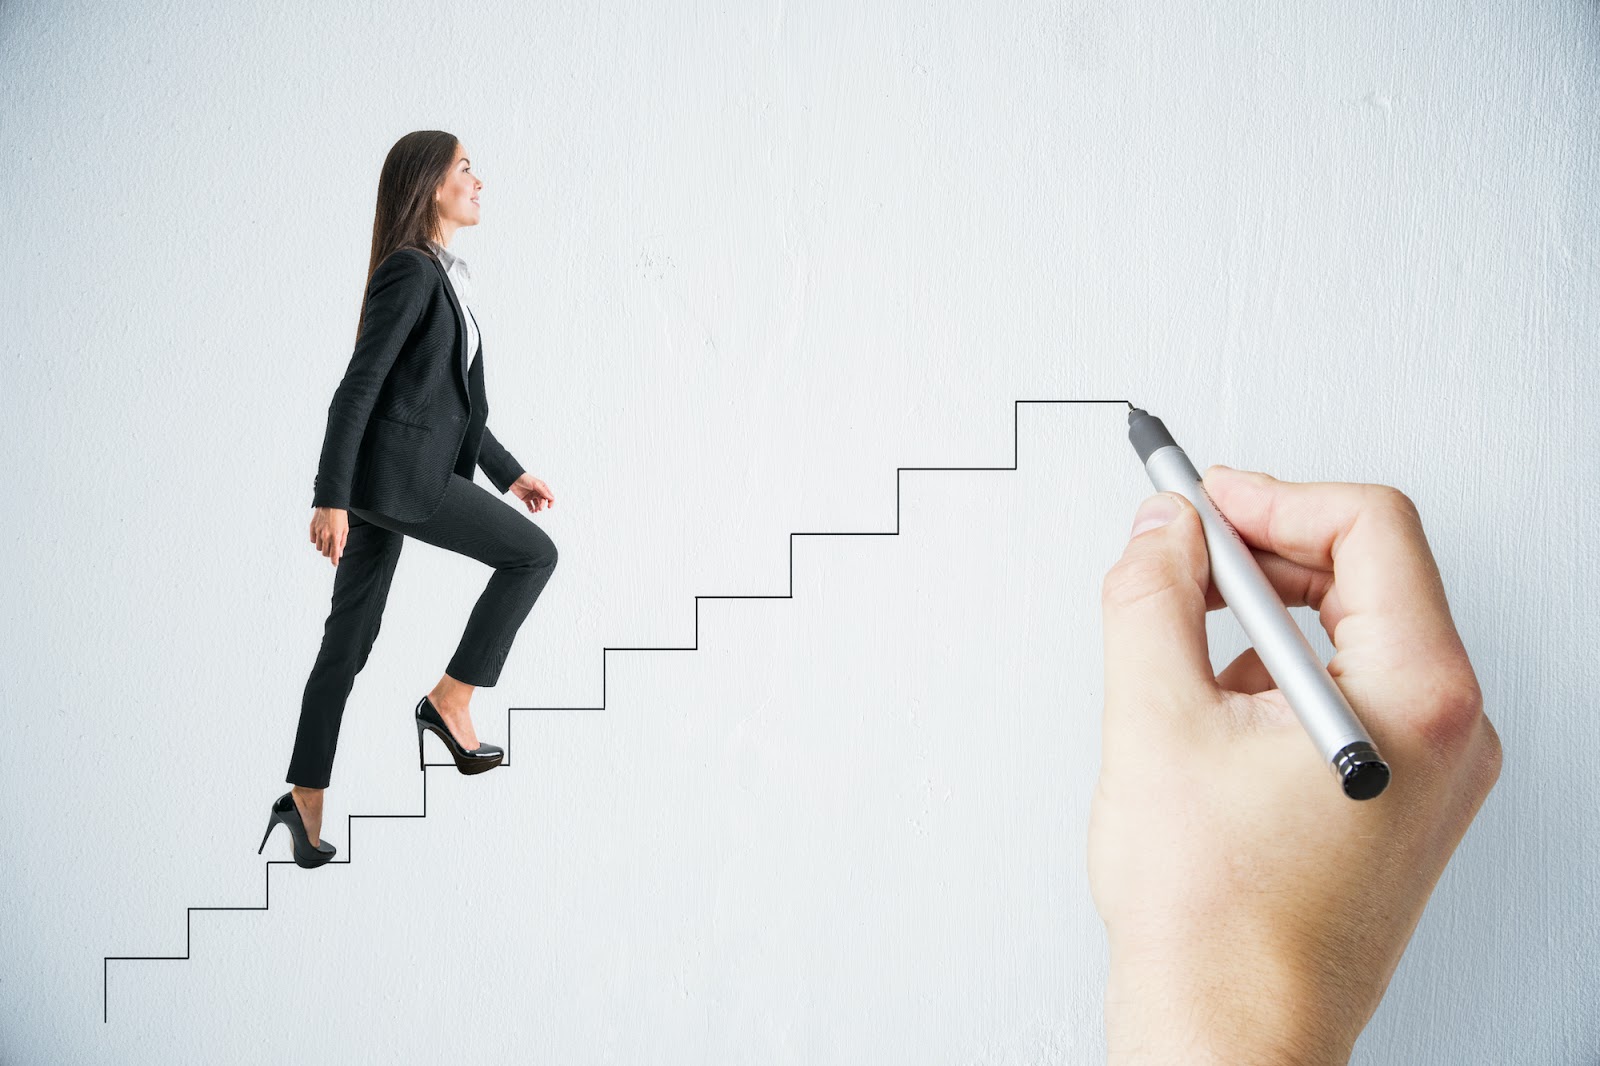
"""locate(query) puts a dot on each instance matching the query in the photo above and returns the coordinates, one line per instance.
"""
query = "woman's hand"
(533, 492)
(329, 528)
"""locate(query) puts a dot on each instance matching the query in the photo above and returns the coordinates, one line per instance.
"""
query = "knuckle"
(1455, 713)
(1490, 755)
(1396, 502)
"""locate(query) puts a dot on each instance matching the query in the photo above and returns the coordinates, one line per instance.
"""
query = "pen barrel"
(1284, 650)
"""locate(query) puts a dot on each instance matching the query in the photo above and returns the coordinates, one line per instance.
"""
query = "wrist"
(1232, 1008)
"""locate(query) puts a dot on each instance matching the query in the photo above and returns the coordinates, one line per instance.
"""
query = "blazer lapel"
(461, 327)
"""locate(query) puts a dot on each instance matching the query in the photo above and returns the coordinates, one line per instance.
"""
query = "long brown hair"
(407, 216)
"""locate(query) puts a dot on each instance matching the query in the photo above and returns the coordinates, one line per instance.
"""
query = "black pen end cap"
(1361, 770)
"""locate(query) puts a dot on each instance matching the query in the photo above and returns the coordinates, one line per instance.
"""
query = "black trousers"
(471, 521)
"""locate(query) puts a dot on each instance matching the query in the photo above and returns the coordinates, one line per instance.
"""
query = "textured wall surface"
(737, 263)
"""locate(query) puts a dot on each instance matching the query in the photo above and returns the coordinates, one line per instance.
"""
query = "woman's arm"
(395, 298)
(509, 476)
(495, 461)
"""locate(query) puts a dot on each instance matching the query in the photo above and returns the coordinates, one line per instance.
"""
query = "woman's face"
(457, 196)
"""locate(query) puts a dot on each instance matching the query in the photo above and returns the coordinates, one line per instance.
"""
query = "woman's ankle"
(450, 693)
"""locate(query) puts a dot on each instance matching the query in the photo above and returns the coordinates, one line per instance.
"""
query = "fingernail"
(1155, 512)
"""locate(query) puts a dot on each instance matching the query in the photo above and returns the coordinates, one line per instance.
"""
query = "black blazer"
(408, 412)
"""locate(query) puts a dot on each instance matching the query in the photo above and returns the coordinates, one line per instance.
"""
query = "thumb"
(1153, 603)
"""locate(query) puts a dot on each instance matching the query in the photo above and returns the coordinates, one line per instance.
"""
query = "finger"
(1246, 674)
(1391, 621)
(1297, 586)
(1157, 666)
(1369, 536)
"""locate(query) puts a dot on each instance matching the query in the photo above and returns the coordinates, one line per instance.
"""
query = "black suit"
(408, 410)
(405, 428)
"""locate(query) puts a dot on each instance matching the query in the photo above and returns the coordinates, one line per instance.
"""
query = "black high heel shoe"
(483, 757)
(306, 854)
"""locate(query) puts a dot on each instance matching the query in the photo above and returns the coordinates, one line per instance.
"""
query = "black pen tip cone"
(1148, 433)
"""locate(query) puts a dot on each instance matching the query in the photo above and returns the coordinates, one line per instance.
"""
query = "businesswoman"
(406, 427)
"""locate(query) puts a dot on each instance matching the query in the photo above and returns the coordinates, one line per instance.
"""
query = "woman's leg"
(360, 589)
(472, 521)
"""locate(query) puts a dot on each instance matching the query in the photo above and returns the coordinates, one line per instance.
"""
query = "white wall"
(737, 263)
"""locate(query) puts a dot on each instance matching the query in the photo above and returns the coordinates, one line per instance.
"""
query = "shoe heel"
(272, 823)
(421, 762)
(305, 853)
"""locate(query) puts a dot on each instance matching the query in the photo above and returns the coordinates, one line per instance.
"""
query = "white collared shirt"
(455, 268)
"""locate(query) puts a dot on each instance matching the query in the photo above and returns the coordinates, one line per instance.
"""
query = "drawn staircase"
(349, 846)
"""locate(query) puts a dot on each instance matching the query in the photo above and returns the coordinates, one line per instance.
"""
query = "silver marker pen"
(1284, 650)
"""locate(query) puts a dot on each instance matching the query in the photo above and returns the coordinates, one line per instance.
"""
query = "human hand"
(533, 492)
(1253, 912)
(330, 526)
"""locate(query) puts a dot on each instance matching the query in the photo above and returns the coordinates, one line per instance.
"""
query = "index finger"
(1395, 620)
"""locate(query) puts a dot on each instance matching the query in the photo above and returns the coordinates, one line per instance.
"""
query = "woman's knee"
(542, 553)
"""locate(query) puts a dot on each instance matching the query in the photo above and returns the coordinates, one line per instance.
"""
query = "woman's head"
(426, 191)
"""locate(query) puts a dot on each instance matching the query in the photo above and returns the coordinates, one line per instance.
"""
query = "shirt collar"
(450, 260)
